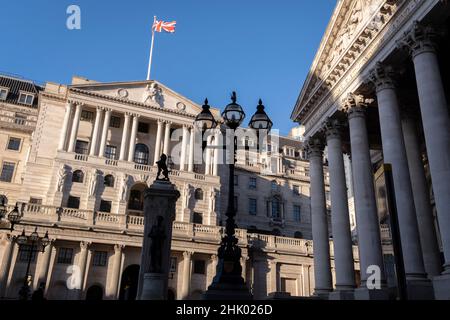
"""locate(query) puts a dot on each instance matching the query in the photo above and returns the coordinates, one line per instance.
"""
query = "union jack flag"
(159, 26)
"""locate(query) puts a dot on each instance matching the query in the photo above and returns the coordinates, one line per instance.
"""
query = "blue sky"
(260, 48)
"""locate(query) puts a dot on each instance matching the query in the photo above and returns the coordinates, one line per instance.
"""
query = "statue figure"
(123, 196)
(187, 193)
(152, 93)
(162, 168)
(62, 174)
(213, 199)
(93, 182)
(158, 235)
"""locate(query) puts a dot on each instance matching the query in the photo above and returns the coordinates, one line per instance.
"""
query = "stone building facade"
(92, 151)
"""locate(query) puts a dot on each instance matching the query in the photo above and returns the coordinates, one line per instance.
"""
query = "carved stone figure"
(213, 195)
(187, 194)
(124, 192)
(152, 93)
(158, 236)
(62, 174)
(93, 182)
(162, 168)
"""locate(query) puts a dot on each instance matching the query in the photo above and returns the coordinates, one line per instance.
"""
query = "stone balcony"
(35, 214)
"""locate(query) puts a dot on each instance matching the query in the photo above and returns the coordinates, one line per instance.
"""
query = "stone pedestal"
(442, 287)
(159, 214)
(342, 295)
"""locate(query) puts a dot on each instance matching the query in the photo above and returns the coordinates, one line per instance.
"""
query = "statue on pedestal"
(162, 168)
(158, 236)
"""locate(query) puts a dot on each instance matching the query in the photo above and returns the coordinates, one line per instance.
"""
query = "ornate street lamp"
(205, 119)
(13, 217)
(36, 244)
(260, 120)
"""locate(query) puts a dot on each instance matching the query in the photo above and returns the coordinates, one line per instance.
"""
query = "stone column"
(65, 128)
(167, 138)
(185, 285)
(94, 138)
(115, 277)
(421, 194)
(217, 152)
(273, 276)
(44, 265)
(368, 228)
(74, 131)
(132, 144)
(82, 264)
(6, 262)
(322, 266)
(191, 150)
(158, 141)
(340, 220)
(214, 261)
(183, 148)
(394, 153)
(159, 214)
(101, 152)
(436, 123)
(208, 156)
(125, 139)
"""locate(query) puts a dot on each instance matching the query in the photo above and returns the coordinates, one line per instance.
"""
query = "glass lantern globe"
(45, 241)
(233, 115)
(22, 239)
(34, 236)
(205, 119)
(14, 216)
(260, 120)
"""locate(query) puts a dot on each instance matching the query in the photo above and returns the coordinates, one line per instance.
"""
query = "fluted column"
(436, 124)
(6, 262)
(368, 229)
(44, 264)
(158, 140)
(115, 276)
(82, 264)
(185, 285)
(421, 193)
(125, 139)
(184, 143)
(322, 266)
(191, 150)
(394, 153)
(132, 144)
(101, 152)
(340, 220)
(95, 131)
(167, 138)
(217, 153)
(74, 131)
(65, 128)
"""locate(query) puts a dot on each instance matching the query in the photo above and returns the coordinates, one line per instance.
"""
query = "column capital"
(332, 128)
(168, 122)
(187, 254)
(118, 248)
(419, 39)
(355, 105)
(382, 77)
(100, 108)
(84, 245)
(107, 110)
(136, 115)
(314, 147)
(128, 114)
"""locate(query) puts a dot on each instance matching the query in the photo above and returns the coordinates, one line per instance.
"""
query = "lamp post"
(228, 282)
(36, 244)
(13, 217)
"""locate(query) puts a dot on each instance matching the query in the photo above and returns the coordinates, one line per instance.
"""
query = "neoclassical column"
(436, 123)
(65, 127)
(167, 138)
(185, 285)
(75, 125)
(132, 144)
(394, 153)
(191, 150)
(158, 140)
(421, 194)
(44, 264)
(95, 131)
(208, 156)
(115, 276)
(184, 143)
(368, 228)
(82, 264)
(217, 152)
(322, 266)
(5, 267)
(340, 220)
(125, 139)
(106, 121)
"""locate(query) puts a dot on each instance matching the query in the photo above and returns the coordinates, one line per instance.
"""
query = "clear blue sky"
(259, 48)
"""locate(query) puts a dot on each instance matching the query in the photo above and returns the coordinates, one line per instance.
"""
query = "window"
(26, 98)
(135, 201)
(87, 116)
(199, 266)
(297, 213)
(197, 218)
(100, 258)
(269, 148)
(296, 190)
(81, 147)
(7, 171)
(111, 152)
(14, 144)
(276, 208)
(20, 119)
(252, 206)
(236, 203)
(78, 176)
(173, 264)
(141, 154)
(274, 186)
(109, 181)
(252, 183)
(65, 256)
(3, 93)
(25, 251)
(236, 180)
(73, 202)
(198, 194)
(114, 122)
(3, 200)
(306, 172)
(143, 127)
(35, 200)
(105, 206)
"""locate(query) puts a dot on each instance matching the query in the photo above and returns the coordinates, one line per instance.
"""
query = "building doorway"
(129, 283)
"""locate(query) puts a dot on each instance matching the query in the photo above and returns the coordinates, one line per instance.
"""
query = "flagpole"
(151, 49)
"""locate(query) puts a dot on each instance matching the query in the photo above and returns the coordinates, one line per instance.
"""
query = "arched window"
(135, 202)
(109, 181)
(298, 235)
(141, 154)
(78, 176)
(198, 194)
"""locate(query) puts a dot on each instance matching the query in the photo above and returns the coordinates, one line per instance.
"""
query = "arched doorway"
(136, 199)
(94, 293)
(129, 283)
